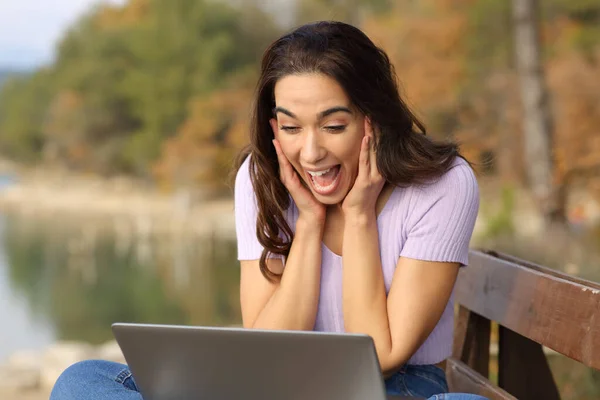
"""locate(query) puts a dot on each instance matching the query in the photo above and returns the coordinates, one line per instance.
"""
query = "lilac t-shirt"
(431, 222)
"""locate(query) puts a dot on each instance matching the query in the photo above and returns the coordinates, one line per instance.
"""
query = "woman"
(348, 218)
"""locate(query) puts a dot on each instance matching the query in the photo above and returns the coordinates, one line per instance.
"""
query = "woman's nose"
(312, 149)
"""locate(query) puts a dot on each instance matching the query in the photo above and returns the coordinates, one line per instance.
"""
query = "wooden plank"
(551, 308)
(472, 340)
(460, 332)
(523, 369)
(462, 379)
(535, 267)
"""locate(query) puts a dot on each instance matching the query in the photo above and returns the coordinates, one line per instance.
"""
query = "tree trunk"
(537, 119)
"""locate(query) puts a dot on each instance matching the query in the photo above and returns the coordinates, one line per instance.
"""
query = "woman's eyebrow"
(284, 111)
(334, 110)
(322, 114)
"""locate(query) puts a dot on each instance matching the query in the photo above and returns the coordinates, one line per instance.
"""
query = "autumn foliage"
(163, 88)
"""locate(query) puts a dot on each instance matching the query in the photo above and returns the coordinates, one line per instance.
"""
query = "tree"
(425, 42)
(214, 131)
(123, 79)
(350, 11)
(23, 103)
(537, 119)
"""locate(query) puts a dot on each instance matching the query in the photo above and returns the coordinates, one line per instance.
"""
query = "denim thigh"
(417, 380)
(96, 380)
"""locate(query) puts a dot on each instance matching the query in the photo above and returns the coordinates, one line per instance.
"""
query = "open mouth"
(325, 182)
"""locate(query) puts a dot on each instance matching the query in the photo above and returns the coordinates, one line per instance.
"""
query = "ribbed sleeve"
(443, 216)
(246, 211)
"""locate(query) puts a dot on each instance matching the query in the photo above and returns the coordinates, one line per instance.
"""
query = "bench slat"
(523, 368)
(472, 340)
(462, 379)
(551, 308)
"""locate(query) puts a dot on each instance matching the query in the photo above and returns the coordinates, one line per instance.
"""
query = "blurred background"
(119, 121)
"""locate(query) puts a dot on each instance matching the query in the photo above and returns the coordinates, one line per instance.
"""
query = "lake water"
(70, 279)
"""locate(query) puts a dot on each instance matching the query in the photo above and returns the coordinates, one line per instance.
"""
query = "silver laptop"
(189, 362)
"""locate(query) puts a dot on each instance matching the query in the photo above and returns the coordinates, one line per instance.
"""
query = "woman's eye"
(335, 128)
(291, 129)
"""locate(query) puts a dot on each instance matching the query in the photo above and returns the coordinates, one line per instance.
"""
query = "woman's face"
(320, 132)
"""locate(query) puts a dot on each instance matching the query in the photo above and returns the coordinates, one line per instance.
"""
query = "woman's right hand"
(308, 206)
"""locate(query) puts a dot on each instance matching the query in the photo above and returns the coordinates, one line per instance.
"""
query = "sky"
(29, 29)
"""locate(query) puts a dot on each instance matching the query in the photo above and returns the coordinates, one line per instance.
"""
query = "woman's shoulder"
(456, 190)
(442, 215)
(242, 175)
(244, 188)
(460, 176)
(243, 193)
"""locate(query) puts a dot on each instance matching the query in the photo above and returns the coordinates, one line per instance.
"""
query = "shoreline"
(31, 374)
(48, 194)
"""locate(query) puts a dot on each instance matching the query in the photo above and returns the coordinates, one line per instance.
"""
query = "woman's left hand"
(361, 199)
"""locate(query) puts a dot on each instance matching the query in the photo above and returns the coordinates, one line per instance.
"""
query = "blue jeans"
(427, 381)
(103, 380)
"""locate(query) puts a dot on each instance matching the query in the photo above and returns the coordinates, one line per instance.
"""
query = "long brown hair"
(405, 156)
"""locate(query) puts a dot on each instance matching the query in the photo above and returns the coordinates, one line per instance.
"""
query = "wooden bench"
(533, 306)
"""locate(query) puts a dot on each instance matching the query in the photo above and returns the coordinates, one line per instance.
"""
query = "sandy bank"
(30, 375)
(71, 196)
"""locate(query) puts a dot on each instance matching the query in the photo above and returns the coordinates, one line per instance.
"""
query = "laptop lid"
(185, 362)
